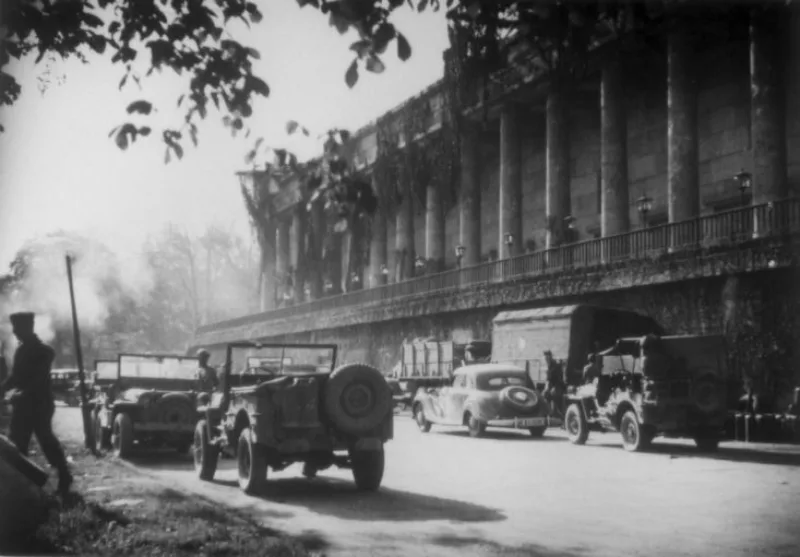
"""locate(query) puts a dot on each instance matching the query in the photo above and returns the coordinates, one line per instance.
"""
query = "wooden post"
(88, 430)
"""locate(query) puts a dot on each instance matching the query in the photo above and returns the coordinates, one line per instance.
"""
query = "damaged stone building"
(665, 182)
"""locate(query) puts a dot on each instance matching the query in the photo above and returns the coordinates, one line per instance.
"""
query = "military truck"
(152, 402)
(673, 386)
(288, 403)
(65, 386)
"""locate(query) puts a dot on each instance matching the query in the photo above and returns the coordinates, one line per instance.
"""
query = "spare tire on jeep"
(357, 398)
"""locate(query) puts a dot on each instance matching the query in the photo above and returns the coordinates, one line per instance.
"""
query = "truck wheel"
(576, 426)
(252, 464)
(122, 436)
(634, 439)
(476, 427)
(206, 455)
(357, 398)
(422, 422)
(368, 469)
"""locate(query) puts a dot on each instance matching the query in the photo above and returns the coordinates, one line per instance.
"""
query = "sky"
(60, 171)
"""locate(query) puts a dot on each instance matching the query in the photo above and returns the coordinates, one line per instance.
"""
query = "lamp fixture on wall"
(508, 239)
(644, 204)
(745, 181)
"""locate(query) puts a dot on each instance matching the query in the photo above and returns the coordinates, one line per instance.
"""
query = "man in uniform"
(29, 386)
(207, 380)
(554, 387)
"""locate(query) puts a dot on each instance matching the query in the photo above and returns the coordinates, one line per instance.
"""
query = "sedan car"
(481, 396)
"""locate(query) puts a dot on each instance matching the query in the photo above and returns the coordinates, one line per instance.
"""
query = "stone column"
(377, 246)
(510, 205)
(470, 195)
(557, 194)
(683, 192)
(768, 105)
(299, 253)
(614, 201)
(283, 257)
(404, 232)
(434, 227)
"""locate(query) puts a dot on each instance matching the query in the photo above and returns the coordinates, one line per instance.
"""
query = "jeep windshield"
(273, 360)
(172, 373)
(105, 371)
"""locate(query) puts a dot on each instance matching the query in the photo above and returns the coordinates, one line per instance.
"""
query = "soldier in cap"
(206, 375)
(32, 397)
(555, 387)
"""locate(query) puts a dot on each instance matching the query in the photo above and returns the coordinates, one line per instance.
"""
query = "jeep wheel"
(357, 398)
(206, 455)
(422, 422)
(476, 427)
(252, 464)
(537, 432)
(367, 469)
(122, 436)
(706, 444)
(576, 426)
(633, 437)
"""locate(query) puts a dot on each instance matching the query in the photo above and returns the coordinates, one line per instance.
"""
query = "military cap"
(22, 319)
(202, 352)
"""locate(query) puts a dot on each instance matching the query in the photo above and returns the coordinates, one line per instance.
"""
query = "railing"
(720, 230)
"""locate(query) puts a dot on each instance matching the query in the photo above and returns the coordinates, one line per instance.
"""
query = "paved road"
(447, 494)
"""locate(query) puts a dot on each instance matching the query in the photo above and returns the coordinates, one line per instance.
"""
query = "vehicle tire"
(576, 426)
(537, 432)
(357, 398)
(634, 439)
(706, 394)
(206, 455)
(368, 469)
(476, 427)
(252, 464)
(422, 422)
(706, 444)
(175, 408)
(520, 398)
(122, 435)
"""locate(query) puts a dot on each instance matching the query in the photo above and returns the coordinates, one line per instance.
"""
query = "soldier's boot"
(65, 480)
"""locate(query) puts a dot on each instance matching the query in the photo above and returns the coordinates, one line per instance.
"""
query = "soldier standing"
(32, 398)
(554, 388)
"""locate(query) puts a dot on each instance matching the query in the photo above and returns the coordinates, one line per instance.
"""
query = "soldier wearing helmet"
(206, 376)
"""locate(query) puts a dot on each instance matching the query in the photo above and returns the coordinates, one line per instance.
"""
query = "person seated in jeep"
(206, 376)
(591, 370)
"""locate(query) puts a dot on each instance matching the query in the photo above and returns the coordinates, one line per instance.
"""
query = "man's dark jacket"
(30, 373)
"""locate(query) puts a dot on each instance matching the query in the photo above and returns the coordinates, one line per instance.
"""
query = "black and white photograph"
(400, 278)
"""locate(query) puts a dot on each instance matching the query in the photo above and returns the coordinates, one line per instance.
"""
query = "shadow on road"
(497, 435)
(339, 498)
(471, 544)
(730, 454)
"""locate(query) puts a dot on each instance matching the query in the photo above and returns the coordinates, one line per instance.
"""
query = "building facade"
(664, 181)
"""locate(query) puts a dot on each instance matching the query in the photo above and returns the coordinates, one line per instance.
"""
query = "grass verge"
(114, 510)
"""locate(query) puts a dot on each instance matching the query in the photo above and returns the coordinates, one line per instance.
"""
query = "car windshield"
(157, 367)
(499, 381)
(280, 360)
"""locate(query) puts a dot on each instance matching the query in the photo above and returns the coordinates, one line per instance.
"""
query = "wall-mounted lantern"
(508, 239)
(745, 181)
(644, 204)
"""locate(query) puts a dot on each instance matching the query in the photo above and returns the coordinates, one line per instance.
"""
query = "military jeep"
(672, 386)
(287, 403)
(152, 402)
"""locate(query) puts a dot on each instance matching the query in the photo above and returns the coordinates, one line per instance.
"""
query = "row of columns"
(683, 192)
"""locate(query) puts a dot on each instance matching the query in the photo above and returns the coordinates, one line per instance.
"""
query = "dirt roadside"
(116, 510)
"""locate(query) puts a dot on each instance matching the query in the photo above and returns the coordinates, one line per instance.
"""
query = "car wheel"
(706, 444)
(252, 464)
(476, 427)
(206, 454)
(537, 432)
(368, 469)
(633, 437)
(122, 436)
(422, 422)
(576, 426)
